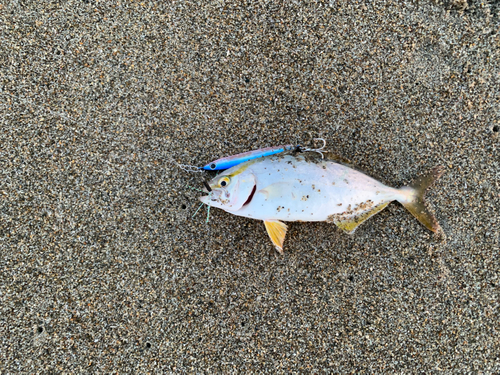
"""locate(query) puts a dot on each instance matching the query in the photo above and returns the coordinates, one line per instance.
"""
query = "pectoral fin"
(276, 190)
(349, 225)
(277, 231)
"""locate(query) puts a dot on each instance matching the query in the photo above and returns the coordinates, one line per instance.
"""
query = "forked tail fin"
(414, 198)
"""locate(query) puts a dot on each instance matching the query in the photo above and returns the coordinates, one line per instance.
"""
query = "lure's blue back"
(231, 161)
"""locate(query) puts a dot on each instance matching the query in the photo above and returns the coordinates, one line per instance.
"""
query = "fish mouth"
(213, 195)
(249, 199)
(222, 198)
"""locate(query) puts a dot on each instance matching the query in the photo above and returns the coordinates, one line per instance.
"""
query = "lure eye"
(212, 166)
(224, 181)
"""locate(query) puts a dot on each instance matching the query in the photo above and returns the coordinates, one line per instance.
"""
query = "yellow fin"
(350, 225)
(277, 231)
(416, 203)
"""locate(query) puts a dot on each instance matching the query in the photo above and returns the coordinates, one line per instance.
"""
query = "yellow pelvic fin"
(277, 231)
(350, 225)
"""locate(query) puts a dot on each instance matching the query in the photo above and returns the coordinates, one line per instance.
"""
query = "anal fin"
(350, 225)
(277, 232)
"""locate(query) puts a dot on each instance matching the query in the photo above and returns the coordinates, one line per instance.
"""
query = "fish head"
(231, 190)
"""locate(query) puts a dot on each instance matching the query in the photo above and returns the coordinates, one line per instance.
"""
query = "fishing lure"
(230, 161)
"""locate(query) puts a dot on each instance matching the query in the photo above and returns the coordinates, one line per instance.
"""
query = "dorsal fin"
(277, 231)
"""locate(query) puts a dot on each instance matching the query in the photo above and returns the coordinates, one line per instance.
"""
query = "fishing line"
(197, 210)
(209, 195)
(208, 214)
(196, 189)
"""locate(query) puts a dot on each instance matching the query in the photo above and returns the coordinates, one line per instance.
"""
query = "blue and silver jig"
(230, 161)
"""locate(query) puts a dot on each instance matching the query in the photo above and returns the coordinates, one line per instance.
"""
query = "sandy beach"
(104, 268)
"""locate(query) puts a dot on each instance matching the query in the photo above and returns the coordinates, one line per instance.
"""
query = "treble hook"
(318, 150)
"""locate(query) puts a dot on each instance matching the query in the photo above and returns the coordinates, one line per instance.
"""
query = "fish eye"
(212, 166)
(224, 181)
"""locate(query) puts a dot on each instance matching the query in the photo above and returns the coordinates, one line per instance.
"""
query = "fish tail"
(413, 198)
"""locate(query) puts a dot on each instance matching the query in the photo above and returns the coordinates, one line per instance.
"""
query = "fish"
(292, 187)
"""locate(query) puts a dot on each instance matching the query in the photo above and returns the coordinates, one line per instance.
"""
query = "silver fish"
(283, 188)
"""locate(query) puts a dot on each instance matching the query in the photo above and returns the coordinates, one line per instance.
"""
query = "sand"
(103, 267)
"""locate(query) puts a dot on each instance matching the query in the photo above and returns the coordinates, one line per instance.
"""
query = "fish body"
(283, 188)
